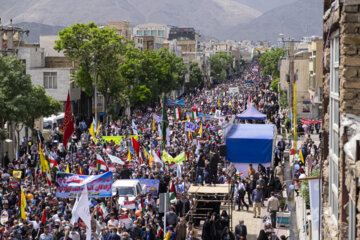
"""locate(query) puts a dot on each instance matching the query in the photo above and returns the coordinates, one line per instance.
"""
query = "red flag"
(43, 218)
(68, 124)
(136, 146)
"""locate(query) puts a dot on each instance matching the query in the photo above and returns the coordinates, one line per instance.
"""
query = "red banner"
(306, 121)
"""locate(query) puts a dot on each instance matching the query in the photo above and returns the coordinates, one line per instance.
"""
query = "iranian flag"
(112, 167)
(92, 167)
(159, 231)
(220, 133)
(103, 210)
(129, 204)
(177, 113)
(101, 163)
(193, 114)
(172, 191)
(142, 206)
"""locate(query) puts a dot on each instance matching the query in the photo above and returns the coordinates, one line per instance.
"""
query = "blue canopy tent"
(250, 143)
(251, 114)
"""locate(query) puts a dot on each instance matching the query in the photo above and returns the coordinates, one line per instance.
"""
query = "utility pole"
(291, 73)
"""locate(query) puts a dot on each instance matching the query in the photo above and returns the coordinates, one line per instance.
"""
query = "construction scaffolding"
(204, 198)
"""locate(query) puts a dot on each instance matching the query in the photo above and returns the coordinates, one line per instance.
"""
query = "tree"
(195, 76)
(220, 64)
(275, 85)
(97, 51)
(21, 102)
(269, 62)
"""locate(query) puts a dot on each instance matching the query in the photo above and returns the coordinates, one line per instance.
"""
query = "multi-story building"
(151, 29)
(340, 167)
(148, 42)
(315, 49)
(122, 28)
(301, 67)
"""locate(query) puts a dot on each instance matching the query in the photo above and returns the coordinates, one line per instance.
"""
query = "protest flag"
(136, 146)
(68, 124)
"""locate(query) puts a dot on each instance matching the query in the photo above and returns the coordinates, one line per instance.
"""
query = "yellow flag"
(153, 125)
(166, 157)
(23, 204)
(190, 135)
(129, 156)
(188, 118)
(151, 158)
(200, 130)
(43, 163)
(92, 132)
(17, 174)
(230, 104)
(67, 169)
(98, 128)
(179, 159)
(301, 155)
(218, 102)
(146, 153)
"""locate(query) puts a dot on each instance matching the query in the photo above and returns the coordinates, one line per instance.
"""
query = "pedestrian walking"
(273, 208)
(257, 199)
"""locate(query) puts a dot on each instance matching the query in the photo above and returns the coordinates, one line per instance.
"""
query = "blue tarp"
(251, 114)
(250, 143)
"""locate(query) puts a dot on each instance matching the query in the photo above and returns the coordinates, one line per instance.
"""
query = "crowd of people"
(48, 217)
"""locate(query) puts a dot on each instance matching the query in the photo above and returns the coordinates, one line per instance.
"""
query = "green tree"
(97, 51)
(269, 62)
(275, 85)
(21, 102)
(195, 76)
(220, 64)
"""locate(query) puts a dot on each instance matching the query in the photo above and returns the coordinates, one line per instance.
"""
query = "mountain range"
(222, 19)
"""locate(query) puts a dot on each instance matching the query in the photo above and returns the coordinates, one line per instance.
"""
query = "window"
(153, 33)
(161, 33)
(50, 80)
(352, 219)
(334, 128)
(139, 32)
(147, 33)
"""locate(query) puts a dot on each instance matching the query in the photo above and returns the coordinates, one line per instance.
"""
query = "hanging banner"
(315, 206)
(4, 217)
(117, 139)
(70, 185)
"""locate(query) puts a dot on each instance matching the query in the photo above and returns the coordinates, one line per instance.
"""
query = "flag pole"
(164, 122)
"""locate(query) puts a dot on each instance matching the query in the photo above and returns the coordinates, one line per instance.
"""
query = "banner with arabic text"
(70, 185)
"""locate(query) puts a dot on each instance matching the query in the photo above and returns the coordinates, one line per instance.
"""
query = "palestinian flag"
(101, 163)
(43, 218)
(159, 231)
(193, 114)
(220, 133)
(172, 191)
(103, 210)
(177, 113)
(53, 162)
(142, 205)
(207, 127)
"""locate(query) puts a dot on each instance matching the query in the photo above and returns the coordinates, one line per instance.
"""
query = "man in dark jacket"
(209, 229)
(240, 230)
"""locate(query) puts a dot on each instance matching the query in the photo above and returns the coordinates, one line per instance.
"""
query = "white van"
(54, 121)
(127, 187)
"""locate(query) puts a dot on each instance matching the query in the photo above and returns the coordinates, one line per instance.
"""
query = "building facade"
(122, 28)
(341, 121)
(315, 77)
(151, 29)
(301, 67)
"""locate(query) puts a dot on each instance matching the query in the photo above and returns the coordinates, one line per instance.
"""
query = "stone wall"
(346, 20)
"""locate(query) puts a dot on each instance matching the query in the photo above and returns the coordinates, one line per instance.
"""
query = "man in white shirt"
(112, 221)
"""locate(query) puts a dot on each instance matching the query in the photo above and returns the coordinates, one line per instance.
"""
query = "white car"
(127, 187)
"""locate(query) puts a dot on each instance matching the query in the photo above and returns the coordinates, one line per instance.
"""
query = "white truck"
(127, 188)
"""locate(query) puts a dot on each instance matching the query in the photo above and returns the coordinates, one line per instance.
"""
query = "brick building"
(341, 121)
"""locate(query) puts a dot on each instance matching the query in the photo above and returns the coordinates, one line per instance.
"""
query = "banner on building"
(315, 207)
(70, 185)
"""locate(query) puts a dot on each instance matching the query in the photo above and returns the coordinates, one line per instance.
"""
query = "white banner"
(315, 206)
